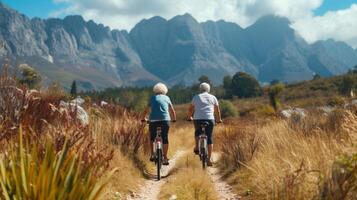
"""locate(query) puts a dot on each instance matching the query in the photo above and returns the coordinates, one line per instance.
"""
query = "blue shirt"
(160, 108)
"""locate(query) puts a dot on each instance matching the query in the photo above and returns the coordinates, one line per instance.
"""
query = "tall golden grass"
(301, 158)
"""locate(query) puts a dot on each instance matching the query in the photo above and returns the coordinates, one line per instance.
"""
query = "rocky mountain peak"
(177, 51)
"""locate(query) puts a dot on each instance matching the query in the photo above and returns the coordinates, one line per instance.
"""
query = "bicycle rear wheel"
(158, 163)
(203, 158)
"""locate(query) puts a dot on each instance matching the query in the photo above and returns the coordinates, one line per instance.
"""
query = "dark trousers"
(165, 126)
(209, 129)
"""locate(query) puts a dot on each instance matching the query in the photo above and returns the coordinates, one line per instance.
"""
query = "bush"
(347, 85)
(30, 76)
(336, 101)
(343, 181)
(227, 109)
(274, 92)
(265, 111)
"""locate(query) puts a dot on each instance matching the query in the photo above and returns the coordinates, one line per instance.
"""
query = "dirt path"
(151, 188)
(223, 189)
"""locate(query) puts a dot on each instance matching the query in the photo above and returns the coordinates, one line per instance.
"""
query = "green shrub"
(273, 93)
(227, 109)
(343, 181)
(336, 101)
(30, 76)
(33, 173)
(347, 84)
(266, 110)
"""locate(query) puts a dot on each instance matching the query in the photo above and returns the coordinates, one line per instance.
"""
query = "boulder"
(288, 113)
(81, 114)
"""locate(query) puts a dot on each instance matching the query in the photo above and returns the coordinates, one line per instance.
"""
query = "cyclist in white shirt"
(204, 108)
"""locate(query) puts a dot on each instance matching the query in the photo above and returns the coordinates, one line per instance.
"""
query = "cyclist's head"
(160, 88)
(205, 87)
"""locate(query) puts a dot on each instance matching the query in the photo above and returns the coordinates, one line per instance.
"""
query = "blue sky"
(43, 8)
(34, 8)
(333, 5)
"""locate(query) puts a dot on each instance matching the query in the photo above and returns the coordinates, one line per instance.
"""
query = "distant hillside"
(176, 51)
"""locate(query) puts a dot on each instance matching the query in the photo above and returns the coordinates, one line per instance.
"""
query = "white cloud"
(124, 14)
(340, 25)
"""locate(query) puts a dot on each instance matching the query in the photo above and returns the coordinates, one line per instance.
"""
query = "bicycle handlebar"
(148, 122)
(217, 122)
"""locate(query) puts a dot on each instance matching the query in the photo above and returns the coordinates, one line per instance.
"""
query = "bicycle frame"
(158, 151)
(158, 140)
(202, 146)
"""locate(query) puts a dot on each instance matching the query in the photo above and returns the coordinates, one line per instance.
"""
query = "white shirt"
(204, 106)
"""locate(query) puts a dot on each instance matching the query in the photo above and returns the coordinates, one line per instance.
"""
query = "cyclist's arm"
(190, 112)
(217, 112)
(172, 112)
(145, 113)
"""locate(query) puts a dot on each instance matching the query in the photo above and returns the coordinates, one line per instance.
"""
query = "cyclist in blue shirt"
(161, 113)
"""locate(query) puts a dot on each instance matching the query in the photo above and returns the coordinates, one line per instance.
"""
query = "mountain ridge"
(175, 51)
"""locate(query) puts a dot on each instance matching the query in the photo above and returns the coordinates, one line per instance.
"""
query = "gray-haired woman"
(162, 112)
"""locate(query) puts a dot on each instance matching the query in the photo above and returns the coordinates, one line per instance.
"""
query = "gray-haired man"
(204, 107)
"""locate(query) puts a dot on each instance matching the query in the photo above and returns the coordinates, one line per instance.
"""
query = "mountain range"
(175, 51)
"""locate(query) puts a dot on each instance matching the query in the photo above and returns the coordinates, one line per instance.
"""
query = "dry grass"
(190, 182)
(292, 159)
(125, 180)
(43, 121)
(121, 130)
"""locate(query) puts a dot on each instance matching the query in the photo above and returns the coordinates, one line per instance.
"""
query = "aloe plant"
(29, 173)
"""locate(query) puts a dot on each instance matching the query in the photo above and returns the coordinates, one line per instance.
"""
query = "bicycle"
(202, 145)
(158, 152)
(202, 142)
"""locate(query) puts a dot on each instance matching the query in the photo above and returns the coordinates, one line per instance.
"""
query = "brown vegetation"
(43, 122)
(302, 158)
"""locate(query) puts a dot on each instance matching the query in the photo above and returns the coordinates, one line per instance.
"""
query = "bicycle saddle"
(204, 124)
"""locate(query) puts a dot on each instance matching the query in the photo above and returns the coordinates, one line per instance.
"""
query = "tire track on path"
(223, 189)
(150, 190)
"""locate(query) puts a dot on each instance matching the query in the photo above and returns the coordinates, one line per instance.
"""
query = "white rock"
(78, 101)
(82, 115)
(326, 109)
(103, 103)
(287, 113)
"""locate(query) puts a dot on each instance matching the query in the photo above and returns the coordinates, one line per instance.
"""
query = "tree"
(347, 84)
(245, 85)
(273, 93)
(227, 85)
(204, 79)
(29, 76)
(74, 89)
(227, 82)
